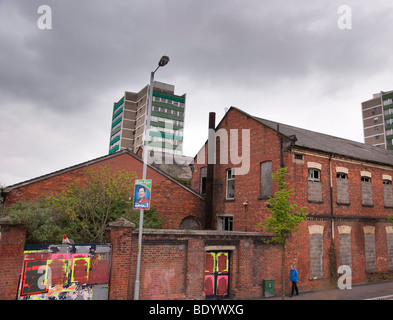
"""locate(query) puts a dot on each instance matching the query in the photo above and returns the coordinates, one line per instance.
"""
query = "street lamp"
(163, 61)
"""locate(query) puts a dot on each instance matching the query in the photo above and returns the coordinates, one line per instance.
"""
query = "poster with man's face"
(142, 194)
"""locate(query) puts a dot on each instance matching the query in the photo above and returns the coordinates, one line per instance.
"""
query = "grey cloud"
(247, 53)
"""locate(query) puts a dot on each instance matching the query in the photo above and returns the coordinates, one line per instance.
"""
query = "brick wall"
(12, 241)
(173, 263)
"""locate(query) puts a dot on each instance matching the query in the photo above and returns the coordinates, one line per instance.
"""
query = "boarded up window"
(345, 245)
(369, 249)
(387, 193)
(367, 191)
(316, 251)
(190, 223)
(342, 188)
(266, 179)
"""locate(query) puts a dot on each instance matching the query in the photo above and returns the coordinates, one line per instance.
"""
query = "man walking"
(293, 276)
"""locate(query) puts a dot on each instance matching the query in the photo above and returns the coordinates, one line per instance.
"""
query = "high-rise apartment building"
(166, 122)
(378, 120)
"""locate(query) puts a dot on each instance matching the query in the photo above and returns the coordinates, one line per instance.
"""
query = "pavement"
(370, 291)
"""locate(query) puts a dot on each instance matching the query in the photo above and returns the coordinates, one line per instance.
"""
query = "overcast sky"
(303, 63)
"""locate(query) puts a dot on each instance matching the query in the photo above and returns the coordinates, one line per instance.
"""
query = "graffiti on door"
(65, 272)
(217, 274)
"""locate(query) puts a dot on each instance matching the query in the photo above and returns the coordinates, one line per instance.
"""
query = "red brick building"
(166, 190)
(346, 186)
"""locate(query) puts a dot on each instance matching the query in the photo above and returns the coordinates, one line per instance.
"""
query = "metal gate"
(217, 265)
(65, 272)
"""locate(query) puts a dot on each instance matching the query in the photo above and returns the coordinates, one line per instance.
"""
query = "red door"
(217, 274)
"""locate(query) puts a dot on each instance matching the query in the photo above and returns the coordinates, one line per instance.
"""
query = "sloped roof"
(90, 162)
(330, 144)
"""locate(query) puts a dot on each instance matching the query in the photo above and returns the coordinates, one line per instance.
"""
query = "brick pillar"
(195, 269)
(245, 272)
(121, 239)
(12, 242)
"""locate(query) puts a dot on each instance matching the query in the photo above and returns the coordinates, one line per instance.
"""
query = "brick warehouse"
(172, 260)
(176, 212)
(346, 186)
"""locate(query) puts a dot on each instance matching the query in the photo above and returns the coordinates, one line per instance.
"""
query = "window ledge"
(343, 204)
(314, 201)
(317, 278)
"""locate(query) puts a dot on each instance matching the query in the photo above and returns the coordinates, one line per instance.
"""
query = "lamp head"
(163, 61)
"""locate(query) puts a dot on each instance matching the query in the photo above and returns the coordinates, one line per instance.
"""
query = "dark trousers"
(294, 288)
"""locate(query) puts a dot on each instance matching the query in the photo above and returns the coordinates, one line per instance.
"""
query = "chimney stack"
(210, 172)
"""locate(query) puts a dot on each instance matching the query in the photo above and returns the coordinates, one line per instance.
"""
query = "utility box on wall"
(268, 288)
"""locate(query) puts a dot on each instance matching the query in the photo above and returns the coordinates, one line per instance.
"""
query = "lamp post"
(163, 61)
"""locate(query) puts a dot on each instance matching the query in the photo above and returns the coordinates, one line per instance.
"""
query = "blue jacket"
(293, 275)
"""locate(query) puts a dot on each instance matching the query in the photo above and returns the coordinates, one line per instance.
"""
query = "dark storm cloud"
(96, 44)
(58, 85)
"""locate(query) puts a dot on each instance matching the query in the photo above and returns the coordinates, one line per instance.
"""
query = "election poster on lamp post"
(142, 194)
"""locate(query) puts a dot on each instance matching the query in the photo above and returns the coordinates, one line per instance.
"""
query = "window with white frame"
(225, 223)
(314, 175)
(314, 182)
(230, 185)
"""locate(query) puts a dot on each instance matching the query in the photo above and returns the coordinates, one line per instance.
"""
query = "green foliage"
(285, 217)
(42, 223)
(151, 219)
(333, 263)
(83, 211)
(97, 202)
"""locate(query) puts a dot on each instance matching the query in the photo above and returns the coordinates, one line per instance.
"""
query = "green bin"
(268, 288)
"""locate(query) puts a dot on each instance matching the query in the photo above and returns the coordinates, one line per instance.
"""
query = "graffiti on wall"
(216, 274)
(66, 272)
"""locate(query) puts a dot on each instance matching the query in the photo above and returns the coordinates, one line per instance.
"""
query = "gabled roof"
(90, 162)
(329, 144)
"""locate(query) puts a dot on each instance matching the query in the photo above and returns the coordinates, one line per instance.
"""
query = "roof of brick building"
(329, 144)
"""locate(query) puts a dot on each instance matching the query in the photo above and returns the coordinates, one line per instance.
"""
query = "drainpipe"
(210, 172)
(332, 250)
(281, 146)
(331, 195)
